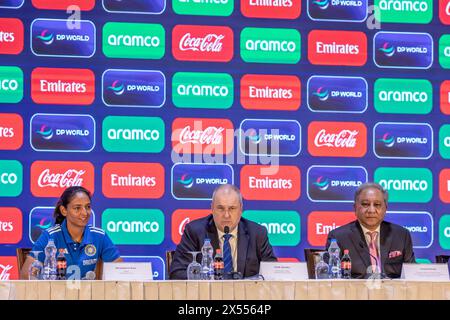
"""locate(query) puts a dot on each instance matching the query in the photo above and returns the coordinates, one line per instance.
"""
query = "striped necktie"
(374, 258)
(227, 258)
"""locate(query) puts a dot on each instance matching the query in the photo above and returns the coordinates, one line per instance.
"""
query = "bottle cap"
(346, 251)
(218, 251)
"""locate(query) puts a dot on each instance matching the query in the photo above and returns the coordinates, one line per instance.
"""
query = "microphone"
(226, 229)
(231, 275)
(378, 272)
(90, 275)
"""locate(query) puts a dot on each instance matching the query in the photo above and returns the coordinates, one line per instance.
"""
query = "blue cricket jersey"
(95, 245)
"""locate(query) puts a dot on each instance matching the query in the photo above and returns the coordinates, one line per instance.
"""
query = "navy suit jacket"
(253, 246)
(392, 238)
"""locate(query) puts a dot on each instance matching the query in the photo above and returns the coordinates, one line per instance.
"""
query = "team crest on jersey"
(90, 250)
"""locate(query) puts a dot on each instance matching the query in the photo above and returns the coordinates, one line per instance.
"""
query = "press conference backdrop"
(152, 104)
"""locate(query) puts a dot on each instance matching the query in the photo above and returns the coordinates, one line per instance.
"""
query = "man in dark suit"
(375, 246)
(249, 243)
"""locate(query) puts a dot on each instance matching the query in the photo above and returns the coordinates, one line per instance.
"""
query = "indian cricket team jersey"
(95, 245)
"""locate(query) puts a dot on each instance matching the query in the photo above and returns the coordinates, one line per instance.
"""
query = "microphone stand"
(379, 273)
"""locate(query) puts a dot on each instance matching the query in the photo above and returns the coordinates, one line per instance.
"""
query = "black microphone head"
(361, 245)
(226, 229)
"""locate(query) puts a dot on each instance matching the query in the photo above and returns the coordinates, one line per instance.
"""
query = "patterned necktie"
(227, 258)
(373, 251)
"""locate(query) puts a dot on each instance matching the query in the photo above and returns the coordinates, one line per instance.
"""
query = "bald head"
(226, 206)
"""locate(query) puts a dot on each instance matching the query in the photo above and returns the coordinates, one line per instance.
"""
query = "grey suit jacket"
(394, 239)
(253, 246)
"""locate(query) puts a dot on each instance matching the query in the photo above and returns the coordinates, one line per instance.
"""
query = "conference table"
(228, 290)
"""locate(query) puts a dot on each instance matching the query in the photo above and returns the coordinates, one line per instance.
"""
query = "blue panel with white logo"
(138, 88)
(403, 50)
(337, 94)
(63, 38)
(158, 265)
(198, 181)
(135, 6)
(58, 132)
(270, 137)
(338, 10)
(11, 4)
(41, 218)
(419, 224)
(334, 183)
(403, 140)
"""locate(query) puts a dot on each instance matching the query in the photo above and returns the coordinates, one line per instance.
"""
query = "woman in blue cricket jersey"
(83, 245)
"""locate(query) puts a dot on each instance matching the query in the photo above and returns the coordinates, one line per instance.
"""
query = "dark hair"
(64, 200)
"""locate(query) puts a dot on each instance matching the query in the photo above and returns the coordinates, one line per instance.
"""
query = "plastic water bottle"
(346, 265)
(335, 261)
(207, 272)
(50, 261)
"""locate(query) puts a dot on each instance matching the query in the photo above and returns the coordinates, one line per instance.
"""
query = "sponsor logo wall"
(153, 104)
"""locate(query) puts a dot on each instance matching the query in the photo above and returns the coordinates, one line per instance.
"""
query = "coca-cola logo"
(343, 139)
(4, 272)
(210, 135)
(210, 43)
(51, 178)
(69, 178)
(183, 225)
(202, 43)
(202, 136)
(337, 139)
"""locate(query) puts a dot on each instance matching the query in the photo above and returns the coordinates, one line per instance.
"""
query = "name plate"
(426, 271)
(283, 270)
(127, 271)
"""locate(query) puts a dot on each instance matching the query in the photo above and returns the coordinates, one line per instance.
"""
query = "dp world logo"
(387, 49)
(253, 136)
(186, 181)
(197, 181)
(133, 88)
(322, 183)
(405, 50)
(394, 140)
(387, 139)
(322, 5)
(321, 93)
(45, 132)
(334, 183)
(117, 88)
(45, 37)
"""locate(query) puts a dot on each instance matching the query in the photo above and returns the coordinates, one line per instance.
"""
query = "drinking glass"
(194, 268)
(36, 268)
(322, 268)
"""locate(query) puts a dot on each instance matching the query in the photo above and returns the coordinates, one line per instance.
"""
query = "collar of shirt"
(367, 237)
(86, 235)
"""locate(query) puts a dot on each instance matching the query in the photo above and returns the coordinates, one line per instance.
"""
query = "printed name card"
(283, 270)
(127, 271)
(432, 271)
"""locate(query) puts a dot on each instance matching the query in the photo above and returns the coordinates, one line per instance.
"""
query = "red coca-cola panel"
(181, 217)
(202, 136)
(337, 139)
(51, 178)
(8, 268)
(202, 43)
